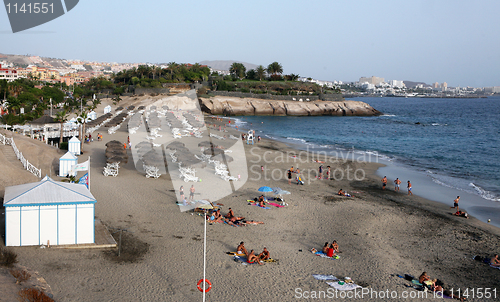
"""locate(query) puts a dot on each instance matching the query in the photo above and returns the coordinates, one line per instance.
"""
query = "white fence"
(27, 165)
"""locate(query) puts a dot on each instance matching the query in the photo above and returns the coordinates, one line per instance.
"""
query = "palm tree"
(260, 72)
(275, 68)
(238, 70)
(61, 117)
(142, 69)
(82, 120)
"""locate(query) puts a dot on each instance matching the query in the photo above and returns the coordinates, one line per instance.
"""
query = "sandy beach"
(380, 233)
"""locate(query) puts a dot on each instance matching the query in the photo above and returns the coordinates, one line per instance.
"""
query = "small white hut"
(107, 109)
(66, 162)
(74, 146)
(48, 212)
(92, 115)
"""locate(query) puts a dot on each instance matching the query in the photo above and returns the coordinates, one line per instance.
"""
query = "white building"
(397, 84)
(49, 213)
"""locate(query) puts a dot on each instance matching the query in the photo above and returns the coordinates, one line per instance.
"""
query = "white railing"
(27, 165)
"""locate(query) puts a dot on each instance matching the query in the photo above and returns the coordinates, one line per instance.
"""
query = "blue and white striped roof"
(47, 192)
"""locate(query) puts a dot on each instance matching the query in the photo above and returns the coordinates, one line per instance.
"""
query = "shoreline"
(380, 233)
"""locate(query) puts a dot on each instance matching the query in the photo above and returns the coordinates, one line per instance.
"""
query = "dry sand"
(380, 233)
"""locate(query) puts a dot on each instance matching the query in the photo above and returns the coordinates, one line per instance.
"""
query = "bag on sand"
(478, 258)
(409, 277)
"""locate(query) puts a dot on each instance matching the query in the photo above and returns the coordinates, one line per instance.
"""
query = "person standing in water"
(409, 188)
(397, 182)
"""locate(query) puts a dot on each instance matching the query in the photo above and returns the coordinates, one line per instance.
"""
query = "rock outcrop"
(220, 105)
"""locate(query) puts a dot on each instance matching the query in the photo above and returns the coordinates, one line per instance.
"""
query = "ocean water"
(455, 143)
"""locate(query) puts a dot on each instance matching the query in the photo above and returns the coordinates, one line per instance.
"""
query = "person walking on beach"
(320, 171)
(409, 188)
(384, 182)
(455, 204)
(328, 171)
(191, 193)
(397, 182)
(289, 177)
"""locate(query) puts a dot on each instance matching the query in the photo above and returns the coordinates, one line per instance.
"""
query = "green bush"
(63, 146)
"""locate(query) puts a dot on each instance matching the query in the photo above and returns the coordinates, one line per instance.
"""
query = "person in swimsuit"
(328, 171)
(289, 177)
(325, 248)
(320, 171)
(397, 182)
(384, 182)
(191, 193)
(495, 261)
(335, 246)
(409, 188)
(455, 203)
(251, 258)
(262, 201)
(425, 279)
(181, 193)
(264, 255)
(241, 249)
(230, 214)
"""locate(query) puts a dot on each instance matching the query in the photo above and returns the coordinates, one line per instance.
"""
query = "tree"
(82, 120)
(260, 72)
(251, 74)
(275, 68)
(238, 70)
(61, 117)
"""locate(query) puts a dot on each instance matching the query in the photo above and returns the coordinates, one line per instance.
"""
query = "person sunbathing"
(330, 252)
(217, 216)
(461, 214)
(264, 255)
(261, 201)
(335, 246)
(241, 249)
(251, 222)
(325, 248)
(341, 193)
(251, 258)
(495, 261)
(426, 280)
(230, 214)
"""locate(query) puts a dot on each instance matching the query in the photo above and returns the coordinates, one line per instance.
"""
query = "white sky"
(451, 41)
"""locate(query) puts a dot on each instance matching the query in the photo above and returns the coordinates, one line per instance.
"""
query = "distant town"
(73, 72)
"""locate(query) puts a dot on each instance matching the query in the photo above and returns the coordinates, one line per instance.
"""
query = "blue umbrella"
(265, 189)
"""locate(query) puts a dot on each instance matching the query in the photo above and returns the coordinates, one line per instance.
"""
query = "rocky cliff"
(220, 105)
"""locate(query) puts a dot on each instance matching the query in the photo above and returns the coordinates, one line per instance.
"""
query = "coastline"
(380, 233)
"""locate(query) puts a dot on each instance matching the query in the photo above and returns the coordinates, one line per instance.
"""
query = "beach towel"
(235, 254)
(243, 260)
(323, 255)
(346, 286)
(256, 204)
(497, 267)
(325, 277)
(275, 205)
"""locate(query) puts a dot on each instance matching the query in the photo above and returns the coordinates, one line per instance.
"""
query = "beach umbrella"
(143, 144)
(279, 191)
(221, 159)
(152, 158)
(203, 204)
(117, 159)
(265, 189)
